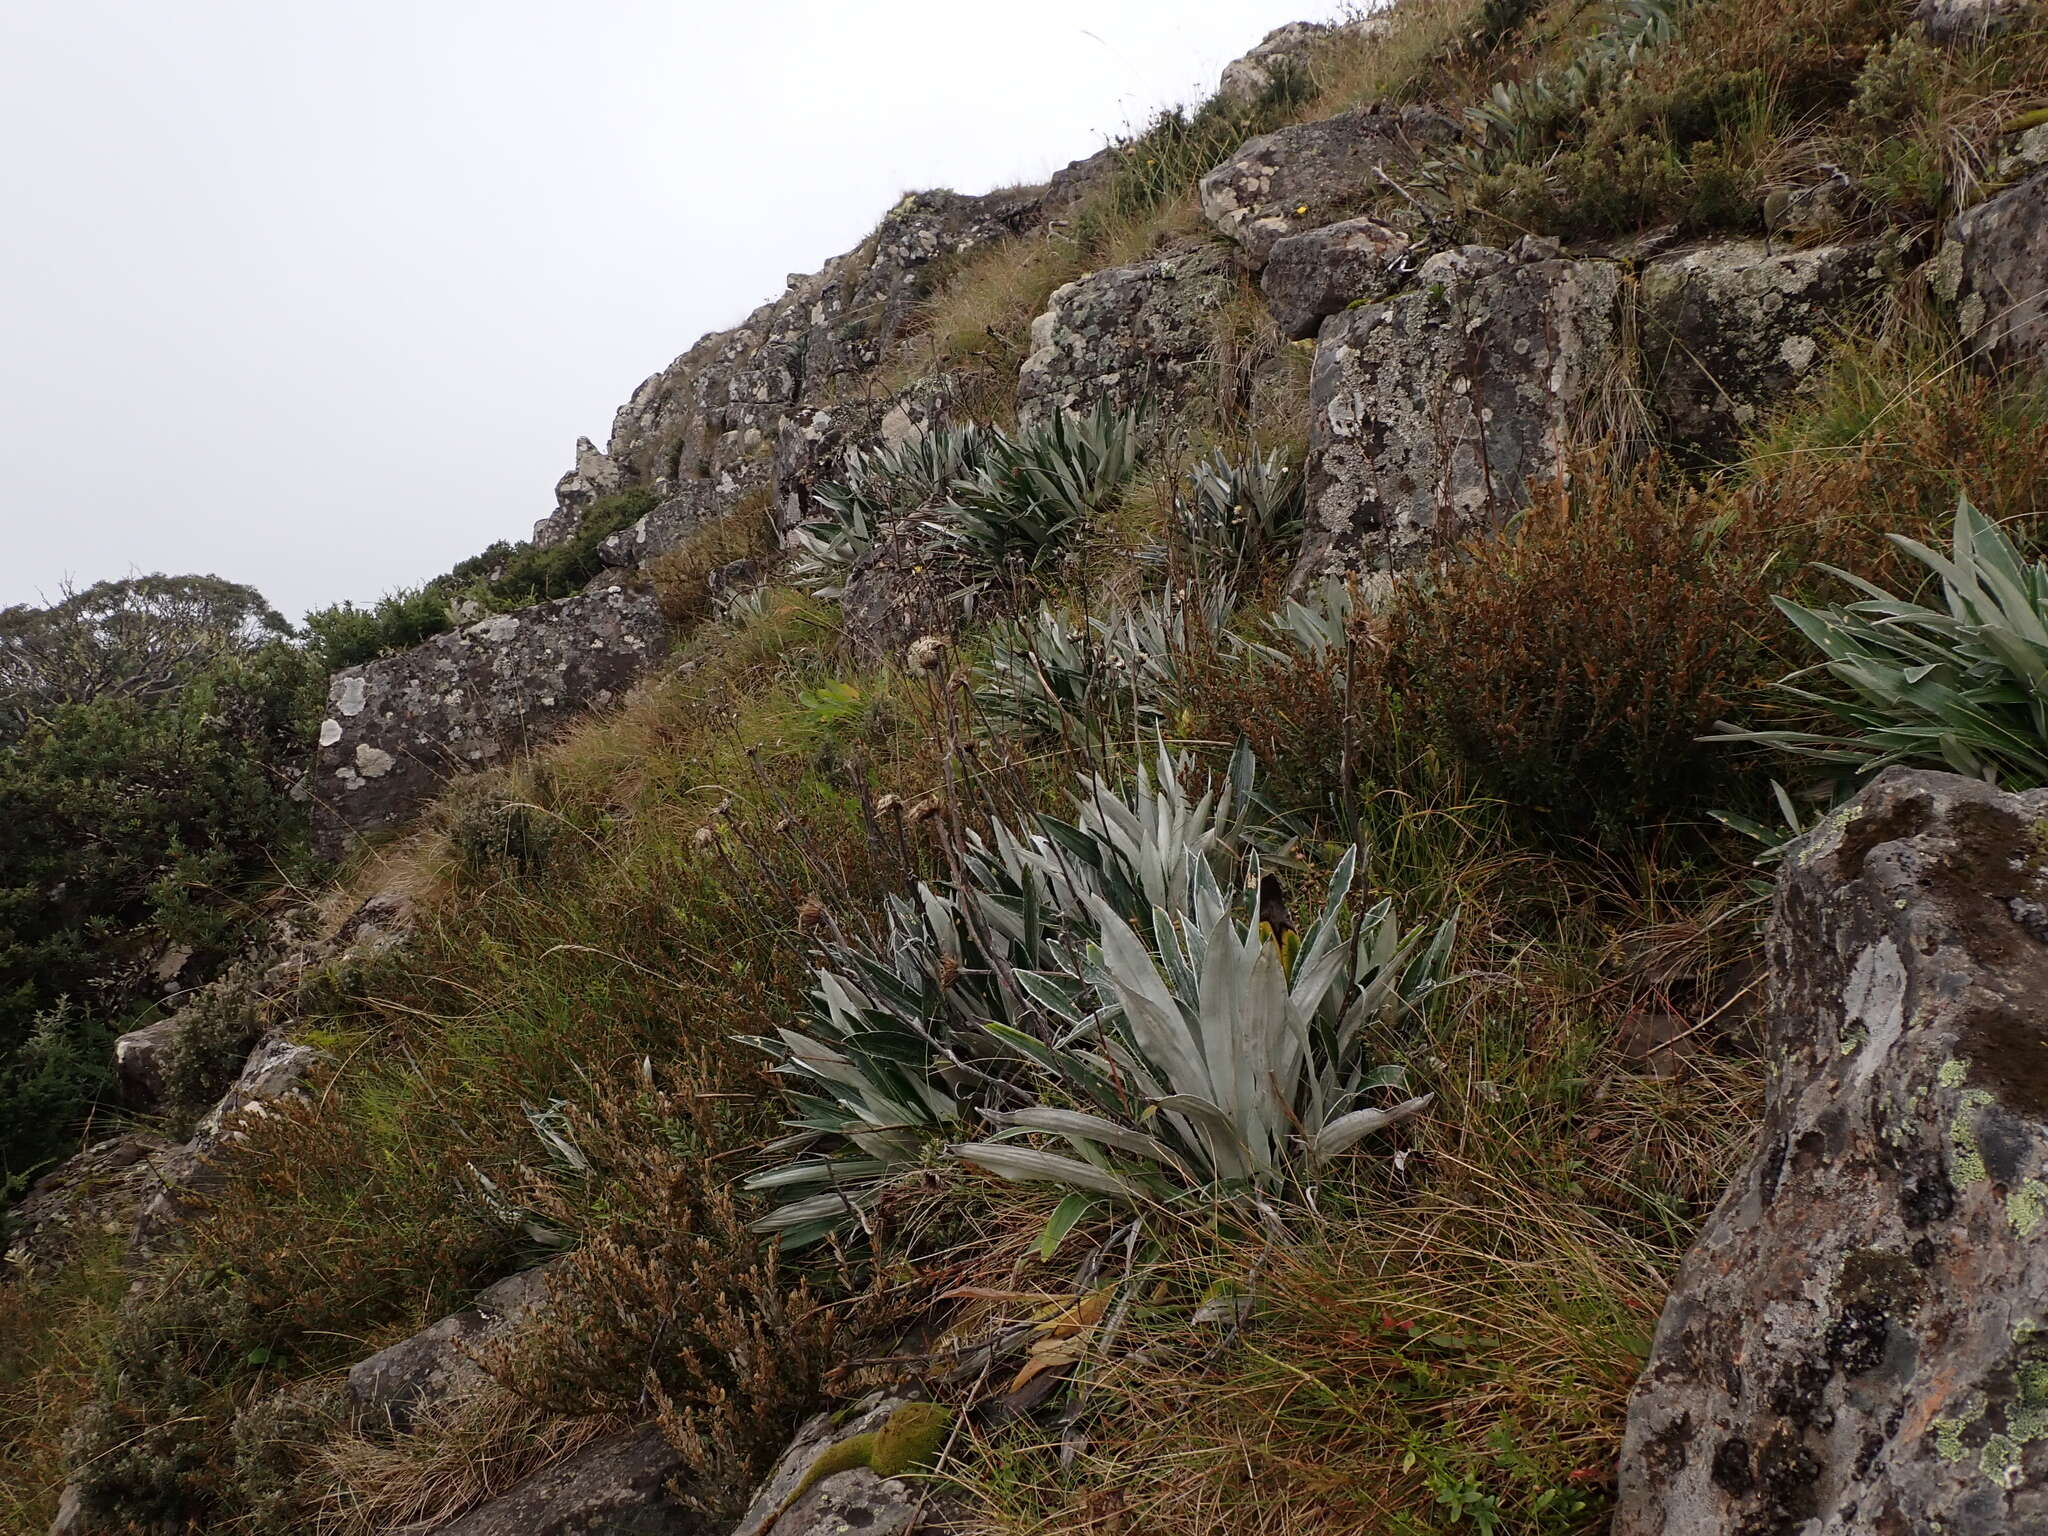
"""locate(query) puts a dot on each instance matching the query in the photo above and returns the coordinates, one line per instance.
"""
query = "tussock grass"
(52, 1344)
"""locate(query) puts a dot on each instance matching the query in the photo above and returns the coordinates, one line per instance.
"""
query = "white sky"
(318, 294)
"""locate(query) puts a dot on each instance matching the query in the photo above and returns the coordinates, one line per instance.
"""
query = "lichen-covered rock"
(1728, 328)
(715, 412)
(595, 477)
(181, 1179)
(1319, 272)
(689, 506)
(1999, 254)
(397, 727)
(1858, 1343)
(1432, 410)
(851, 1500)
(1285, 48)
(617, 1487)
(89, 1196)
(1963, 22)
(438, 1364)
(1314, 174)
(1125, 335)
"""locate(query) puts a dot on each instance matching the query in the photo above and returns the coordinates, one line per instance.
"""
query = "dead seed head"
(926, 652)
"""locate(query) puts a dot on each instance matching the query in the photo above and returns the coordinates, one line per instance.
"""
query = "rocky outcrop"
(1321, 272)
(595, 477)
(1126, 335)
(714, 413)
(1284, 50)
(1433, 410)
(1998, 253)
(1960, 23)
(852, 1500)
(1858, 1344)
(690, 505)
(617, 1487)
(181, 1179)
(396, 728)
(87, 1197)
(438, 1365)
(1727, 329)
(1314, 174)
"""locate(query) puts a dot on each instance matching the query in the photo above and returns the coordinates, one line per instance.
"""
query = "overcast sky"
(318, 294)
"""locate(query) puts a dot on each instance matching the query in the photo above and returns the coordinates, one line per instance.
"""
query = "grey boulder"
(1320, 272)
(852, 1500)
(1432, 410)
(1858, 1343)
(396, 728)
(437, 1365)
(1314, 174)
(616, 1487)
(1125, 335)
(1728, 329)
(1998, 254)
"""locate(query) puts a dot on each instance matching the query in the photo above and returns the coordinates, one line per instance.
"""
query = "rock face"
(1431, 411)
(1320, 272)
(397, 727)
(2000, 248)
(853, 1500)
(1314, 173)
(595, 477)
(1962, 22)
(1858, 1344)
(1285, 48)
(613, 1488)
(94, 1194)
(1728, 328)
(715, 411)
(436, 1365)
(1125, 335)
(691, 505)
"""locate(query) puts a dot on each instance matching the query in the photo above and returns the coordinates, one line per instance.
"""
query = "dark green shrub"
(133, 826)
(215, 1033)
(503, 577)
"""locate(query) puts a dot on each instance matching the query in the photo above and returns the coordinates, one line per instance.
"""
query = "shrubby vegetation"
(151, 732)
(504, 577)
(999, 1008)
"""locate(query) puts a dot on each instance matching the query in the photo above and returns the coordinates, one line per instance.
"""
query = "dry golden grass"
(452, 1459)
(52, 1344)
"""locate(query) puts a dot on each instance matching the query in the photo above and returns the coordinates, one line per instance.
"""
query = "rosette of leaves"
(1032, 489)
(1219, 1056)
(1233, 514)
(878, 485)
(910, 1031)
(1964, 684)
(1072, 679)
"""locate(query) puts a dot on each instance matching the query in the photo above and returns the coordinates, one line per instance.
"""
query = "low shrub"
(504, 576)
(1571, 664)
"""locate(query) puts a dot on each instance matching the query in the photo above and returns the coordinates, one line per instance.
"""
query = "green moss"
(1954, 1072)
